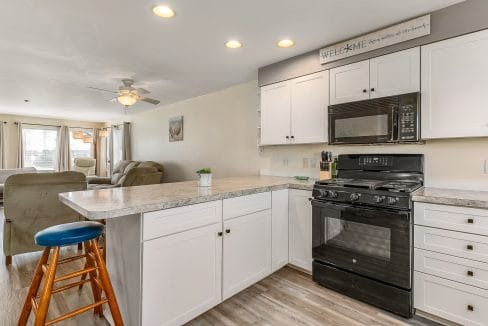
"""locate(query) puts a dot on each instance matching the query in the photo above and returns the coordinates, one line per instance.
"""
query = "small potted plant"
(204, 177)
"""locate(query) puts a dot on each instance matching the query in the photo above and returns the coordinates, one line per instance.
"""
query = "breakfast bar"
(176, 250)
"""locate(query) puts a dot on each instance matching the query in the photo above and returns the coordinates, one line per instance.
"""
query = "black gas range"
(362, 229)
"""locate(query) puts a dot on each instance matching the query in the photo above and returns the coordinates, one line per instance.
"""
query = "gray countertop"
(115, 202)
(455, 197)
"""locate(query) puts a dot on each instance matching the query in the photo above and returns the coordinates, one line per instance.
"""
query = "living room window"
(39, 146)
(80, 147)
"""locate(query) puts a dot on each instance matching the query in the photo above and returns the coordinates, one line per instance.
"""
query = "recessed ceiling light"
(285, 43)
(163, 11)
(233, 44)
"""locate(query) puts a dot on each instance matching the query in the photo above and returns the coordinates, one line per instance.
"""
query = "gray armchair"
(85, 165)
(129, 173)
(32, 204)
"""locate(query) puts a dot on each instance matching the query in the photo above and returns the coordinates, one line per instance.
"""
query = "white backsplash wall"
(449, 163)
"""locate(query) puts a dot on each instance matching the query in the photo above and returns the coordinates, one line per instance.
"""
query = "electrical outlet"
(305, 163)
(485, 166)
(285, 162)
(313, 163)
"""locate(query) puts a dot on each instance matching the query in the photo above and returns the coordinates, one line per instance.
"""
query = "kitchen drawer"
(458, 269)
(458, 244)
(464, 219)
(464, 304)
(169, 221)
(243, 205)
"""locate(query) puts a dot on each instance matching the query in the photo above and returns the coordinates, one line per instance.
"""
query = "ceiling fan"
(128, 95)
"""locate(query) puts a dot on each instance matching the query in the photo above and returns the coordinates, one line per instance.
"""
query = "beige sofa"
(4, 174)
(128, 174)
(85, 165)
(32, 204)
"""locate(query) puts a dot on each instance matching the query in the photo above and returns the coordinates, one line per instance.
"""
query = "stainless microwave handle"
(394, 123)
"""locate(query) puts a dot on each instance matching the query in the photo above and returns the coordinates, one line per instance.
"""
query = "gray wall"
(462, 18)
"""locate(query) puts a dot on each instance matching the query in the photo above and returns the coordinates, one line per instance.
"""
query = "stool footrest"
(70, 259)
(69, 286)
(75, 274)
(76, 312)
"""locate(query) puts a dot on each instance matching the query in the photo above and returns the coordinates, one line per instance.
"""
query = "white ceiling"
(51, 50)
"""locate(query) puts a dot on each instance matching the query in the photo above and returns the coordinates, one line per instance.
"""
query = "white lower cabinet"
(463, 304)
(279, 229)
(247, 251)
(300, 233)
(181, 276)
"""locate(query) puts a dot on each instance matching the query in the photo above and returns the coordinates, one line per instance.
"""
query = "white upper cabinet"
(455, 87)
(275, 113)
(295, 111)
(395, 73)
(309, 102)
(349, 83)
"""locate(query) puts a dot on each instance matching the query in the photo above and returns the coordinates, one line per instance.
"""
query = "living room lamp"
(78, 135)
(88, 139)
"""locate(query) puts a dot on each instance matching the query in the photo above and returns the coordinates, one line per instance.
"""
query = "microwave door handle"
(394, 124)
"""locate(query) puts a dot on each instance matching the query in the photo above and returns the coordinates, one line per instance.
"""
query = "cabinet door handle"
(287, 137)
(470, 220)
(365, 90)
(292, 137)
(470, 273)
(372, 89)
(220, 234)
(470, 307)
(227, 231)
(469, 247)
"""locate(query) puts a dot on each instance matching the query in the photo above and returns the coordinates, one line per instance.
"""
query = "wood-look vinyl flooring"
(287, 297)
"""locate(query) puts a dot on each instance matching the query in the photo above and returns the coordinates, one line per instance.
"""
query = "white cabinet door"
(247, 251)
(394, 74)
(349, 83)
(275, 113)
(182, 275)
(279, 229)
(300, 217)
(309, 102)
(454, 78)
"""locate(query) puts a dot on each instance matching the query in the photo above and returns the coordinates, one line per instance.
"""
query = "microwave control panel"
(408, 120)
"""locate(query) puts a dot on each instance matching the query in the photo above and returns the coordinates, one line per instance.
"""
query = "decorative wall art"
(176, 129)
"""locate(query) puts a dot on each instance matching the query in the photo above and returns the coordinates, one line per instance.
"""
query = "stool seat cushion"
(68, 234)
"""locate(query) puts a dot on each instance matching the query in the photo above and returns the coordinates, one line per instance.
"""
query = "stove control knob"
(392, 200)
(333, 194)
(378, 199)
(324, 193)
(354, 197)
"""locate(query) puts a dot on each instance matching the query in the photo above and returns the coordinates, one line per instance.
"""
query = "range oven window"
(368, 240)
(365, 126)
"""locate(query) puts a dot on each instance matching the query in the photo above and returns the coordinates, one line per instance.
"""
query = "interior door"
(396, 73)
(247, 251)
(349, 83)
(309, 102)
(454, 78)
(275, 113)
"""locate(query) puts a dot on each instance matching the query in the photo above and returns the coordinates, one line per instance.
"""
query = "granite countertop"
(115, 202)
(455, 197)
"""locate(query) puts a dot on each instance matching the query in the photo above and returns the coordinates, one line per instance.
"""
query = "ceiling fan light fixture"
(163, 11)
(126, 99)
(88, 139)
(103, 133)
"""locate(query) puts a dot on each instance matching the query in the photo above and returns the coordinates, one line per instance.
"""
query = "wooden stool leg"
(36, 282)
(107, 285)
(95, 290)
(8, 260)
(47, 289)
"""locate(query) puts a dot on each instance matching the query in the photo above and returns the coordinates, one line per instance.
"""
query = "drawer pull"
(220, 233)
(470, 273)
(227, 231)
(470, 221)
(469, 247)
(470, 307)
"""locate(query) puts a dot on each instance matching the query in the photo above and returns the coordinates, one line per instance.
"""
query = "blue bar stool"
(53, 238)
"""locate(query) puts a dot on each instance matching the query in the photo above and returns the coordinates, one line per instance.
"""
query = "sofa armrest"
(98, 180)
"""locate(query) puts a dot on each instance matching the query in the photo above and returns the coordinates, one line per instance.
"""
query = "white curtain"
(3, 143)
(64, 150)
(20, 157)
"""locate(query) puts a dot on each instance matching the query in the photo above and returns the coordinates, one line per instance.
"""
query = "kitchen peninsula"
(176, 250)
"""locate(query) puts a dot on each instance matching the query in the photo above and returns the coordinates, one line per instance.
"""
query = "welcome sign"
(391, 35)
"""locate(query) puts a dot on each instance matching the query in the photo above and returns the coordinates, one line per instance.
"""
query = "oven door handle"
(344, 206)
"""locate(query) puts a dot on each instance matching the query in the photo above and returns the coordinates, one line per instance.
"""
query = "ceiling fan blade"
(142, 91)
(127, 82)
(113, 99)
(101, 89)
(150, 100)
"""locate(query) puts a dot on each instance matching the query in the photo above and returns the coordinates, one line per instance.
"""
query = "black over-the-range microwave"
(393, 119)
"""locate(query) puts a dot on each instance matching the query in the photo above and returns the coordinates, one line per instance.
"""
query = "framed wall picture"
(176, 129)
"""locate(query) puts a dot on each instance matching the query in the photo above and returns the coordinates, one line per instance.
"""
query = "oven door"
(364, 122)
(375, 243)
